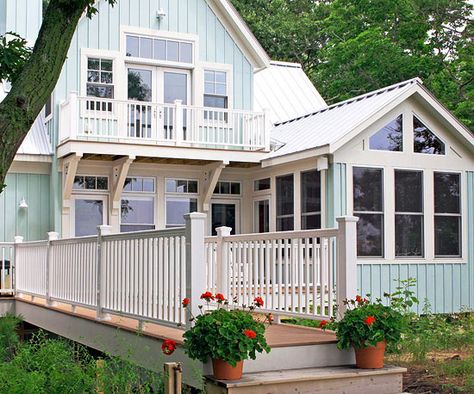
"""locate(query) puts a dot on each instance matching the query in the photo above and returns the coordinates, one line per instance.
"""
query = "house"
(165, 108)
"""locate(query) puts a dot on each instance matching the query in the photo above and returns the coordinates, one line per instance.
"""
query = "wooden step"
(334, 380)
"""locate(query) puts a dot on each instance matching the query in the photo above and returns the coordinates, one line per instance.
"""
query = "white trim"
(72, 217)
(263, 197)
(228, 201)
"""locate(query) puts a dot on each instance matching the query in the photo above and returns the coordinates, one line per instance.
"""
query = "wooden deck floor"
(278, 335)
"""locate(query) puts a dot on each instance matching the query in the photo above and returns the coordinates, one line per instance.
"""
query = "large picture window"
(368, 206)
(447, 214)
(409, 213)
(389, 137)
(284, 203)
(181, 198)
(138, 204)
(310, 200)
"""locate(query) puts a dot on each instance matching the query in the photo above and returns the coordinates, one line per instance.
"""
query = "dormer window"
(389, 137)
(425, 141)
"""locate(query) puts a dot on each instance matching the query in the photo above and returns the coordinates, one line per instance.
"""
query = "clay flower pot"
(225, 371)
(371, 356)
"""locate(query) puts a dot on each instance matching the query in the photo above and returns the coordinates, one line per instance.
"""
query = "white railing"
(30, 265)
(145, 274)
(108, 120)
(6, 268)
(294, 272)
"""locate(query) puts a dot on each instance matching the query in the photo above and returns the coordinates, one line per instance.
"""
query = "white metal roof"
(286, 91)
(328, 125)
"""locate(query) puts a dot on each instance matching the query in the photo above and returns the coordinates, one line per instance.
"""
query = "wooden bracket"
(119, 175)
(213, 172)
(70, 165)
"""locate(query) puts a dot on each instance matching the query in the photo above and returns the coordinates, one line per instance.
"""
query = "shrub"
(9, 340)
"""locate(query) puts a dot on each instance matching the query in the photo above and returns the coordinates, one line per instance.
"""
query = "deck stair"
(334, 380)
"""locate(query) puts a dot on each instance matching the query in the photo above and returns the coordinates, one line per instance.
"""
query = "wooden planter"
(370, 357)
(225, 371)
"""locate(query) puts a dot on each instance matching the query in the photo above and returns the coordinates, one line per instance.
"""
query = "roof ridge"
(398, 85)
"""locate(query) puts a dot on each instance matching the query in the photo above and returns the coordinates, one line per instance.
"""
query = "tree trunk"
(38, 78)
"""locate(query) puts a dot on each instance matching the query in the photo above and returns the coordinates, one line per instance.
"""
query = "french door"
(157, 88)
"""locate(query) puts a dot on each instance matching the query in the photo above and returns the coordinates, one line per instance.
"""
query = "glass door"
(140, 89)
(175, 86)
(261, 215)
(225, 213)
(88, 213)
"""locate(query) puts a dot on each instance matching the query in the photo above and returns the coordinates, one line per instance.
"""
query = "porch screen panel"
(368, 206)
(310, 200)
(284, 202)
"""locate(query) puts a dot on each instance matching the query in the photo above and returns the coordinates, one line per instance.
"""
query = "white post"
(267, 126)
(178, 121)
(18, 239)
(52, 236)
(100, 298)
(195, 259)
(222, 262)
(346, 261)
(74, 114)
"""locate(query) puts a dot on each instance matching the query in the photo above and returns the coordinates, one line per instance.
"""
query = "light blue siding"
(448, 287)
(22, 17)
(32, 223)
(335, 193)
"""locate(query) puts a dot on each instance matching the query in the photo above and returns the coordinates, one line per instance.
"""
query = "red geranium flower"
(186, 302)
(323, 323)
(207, 296)
(168, 347)
(369, 320)
(220, 297)
(359, 299)
(250, 334)
(270, 317)
(258, 301)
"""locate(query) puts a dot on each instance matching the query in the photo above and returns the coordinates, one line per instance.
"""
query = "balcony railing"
(96, 119)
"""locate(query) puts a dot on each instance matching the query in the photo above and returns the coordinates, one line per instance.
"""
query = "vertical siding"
(447, 287)
(21, 16)
(335, 193)
(34, 222)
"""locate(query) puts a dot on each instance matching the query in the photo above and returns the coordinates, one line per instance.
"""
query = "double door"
(160, 87)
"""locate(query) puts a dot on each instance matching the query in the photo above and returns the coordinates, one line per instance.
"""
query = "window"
(310, 200)
(176, 208)
(224, 187)
(100, 83)
(447, 211)
(181, 186)
(262, 216)
(409, 213)
(389, 137)
(48, 107)
(425, 141)
(90, 183)
(159, 49)
(215, 94)
(284, 203)
(138, 208)
(262, 184)
(368, 206)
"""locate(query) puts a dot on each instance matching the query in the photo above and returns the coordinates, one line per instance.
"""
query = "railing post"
(267, 126)
(222, 261)
(74, 115)
(346, 261)
(195, 259)
(178, 121)
(18, 239)
(52, 236)
(100, 294)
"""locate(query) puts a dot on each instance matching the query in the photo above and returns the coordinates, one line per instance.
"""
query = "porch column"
(119, 175)
(346, 261)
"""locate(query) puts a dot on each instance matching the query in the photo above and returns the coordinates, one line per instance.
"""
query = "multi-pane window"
(138, 204)
(389, 137)
(215, 94)
(284, 203)
(159, 49)
(425, 141)
(178, 205)
(100, 83)
(409, 213)
(310, 200)
(262, 184)
(447, 214)
(82, 182)
(227, 187)
(369, 207)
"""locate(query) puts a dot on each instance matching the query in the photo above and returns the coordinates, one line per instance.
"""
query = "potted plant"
(367, 327)
(226, 335)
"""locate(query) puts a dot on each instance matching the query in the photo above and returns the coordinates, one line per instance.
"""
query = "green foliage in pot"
(228, 334)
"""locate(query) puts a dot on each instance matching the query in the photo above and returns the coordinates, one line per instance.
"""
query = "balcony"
(169, 125)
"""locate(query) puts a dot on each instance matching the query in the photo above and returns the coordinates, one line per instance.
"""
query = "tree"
(34, 73)
(349, 47)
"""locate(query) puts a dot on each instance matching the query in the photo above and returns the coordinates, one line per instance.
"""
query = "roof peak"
(385, 89)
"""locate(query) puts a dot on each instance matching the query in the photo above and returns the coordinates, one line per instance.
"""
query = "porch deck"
(277, 335)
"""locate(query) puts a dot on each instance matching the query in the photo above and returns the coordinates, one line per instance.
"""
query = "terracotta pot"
(370, 357)
(225, 371)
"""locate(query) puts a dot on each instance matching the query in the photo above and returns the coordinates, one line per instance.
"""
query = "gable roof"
(333, 126)
(286, 92)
